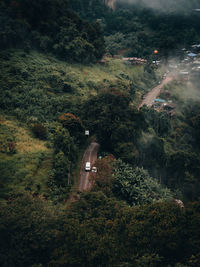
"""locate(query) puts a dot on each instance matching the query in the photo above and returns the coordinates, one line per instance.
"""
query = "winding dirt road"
(91, 156)
(92, 150)
(149, 98)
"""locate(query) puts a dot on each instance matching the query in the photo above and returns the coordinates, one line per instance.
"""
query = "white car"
(94, 169)
(87, 166)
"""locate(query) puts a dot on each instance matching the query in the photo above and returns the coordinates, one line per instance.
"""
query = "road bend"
(91, 156)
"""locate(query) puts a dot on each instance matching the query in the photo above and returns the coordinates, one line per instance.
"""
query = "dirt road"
(148, 100)
(91, 156)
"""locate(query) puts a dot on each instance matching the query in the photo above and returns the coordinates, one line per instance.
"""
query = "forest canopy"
(50, 26)
(143, 208)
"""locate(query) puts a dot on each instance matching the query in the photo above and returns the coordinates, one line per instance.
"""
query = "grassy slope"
(33, 84)
(28, 168)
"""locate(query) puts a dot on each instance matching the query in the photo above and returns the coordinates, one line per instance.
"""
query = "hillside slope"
(40, 86)
(35, 90)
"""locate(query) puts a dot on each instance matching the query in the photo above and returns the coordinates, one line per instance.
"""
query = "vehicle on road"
(94, 169)
(87, 166)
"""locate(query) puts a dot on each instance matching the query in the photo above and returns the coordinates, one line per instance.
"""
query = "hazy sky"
(166, 4)
(149, 3)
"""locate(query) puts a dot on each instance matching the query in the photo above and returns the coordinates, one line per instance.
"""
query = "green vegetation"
(137, 187)
(50, 26)
(46, 95)
(97, 230)
(25, 161)
(34, 84)
(136, 28)
(53, 88)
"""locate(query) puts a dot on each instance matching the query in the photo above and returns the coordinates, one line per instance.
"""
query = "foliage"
(136, 187)
(39, 131)
(136, 28)
(60, 169)
(90, 10)
(49, 25)
(73, 124)
(103, 179)
(159, 121)
(99, 228)
(95, 228)
(65, 153)
(26, 168)
(62, 141)
(152, 154)
(7, 140)
(111, 118)
(28, 231)
(150, 234)
(144, 29)
(35, 84)
(170, 148)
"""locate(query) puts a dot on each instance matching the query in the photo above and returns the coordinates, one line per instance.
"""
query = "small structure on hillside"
(156, 62)
(192, 55)
(134, 60)
(159, 100)
(195, 72)
(166, 93)
(183, 76)
(173, 67)
(169, 108)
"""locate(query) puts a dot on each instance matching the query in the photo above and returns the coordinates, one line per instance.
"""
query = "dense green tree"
(97, 230)
(62, 141)
(159, 121)
(52, 27)
(103, 179)
(27, 231)
(39, 131)
(61, 168)
(74, 125)
(110, 116)
(64, 161)
(137, 187)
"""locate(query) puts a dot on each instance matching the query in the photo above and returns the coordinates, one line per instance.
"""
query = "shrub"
(39, 131)
(12, 147)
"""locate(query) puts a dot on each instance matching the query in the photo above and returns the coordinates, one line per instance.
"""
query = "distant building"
(191, 55)
(159, 100)
(183, 76)
(156, 62)
(173, 66)
(134, 60)
(169, 108)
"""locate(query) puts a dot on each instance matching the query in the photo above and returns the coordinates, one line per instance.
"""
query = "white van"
(87, 166)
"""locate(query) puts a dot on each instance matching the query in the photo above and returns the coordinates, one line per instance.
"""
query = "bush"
(136, 187)
(39, 131)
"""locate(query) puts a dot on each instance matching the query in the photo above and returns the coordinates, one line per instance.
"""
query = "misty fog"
(166, 6)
